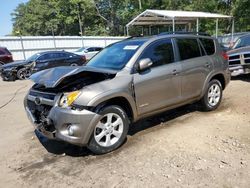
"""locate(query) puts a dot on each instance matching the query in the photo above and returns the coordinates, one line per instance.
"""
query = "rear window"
(188, 48)
(208, 45)
(4, 51)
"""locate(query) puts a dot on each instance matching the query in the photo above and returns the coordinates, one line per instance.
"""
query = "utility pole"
(140, 6)
(80, 22)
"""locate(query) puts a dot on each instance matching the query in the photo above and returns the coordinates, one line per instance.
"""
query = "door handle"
(175, 72)
(208, 65)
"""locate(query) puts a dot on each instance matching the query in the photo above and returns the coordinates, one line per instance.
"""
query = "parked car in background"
(94, 105)
(5, 56)
(39, 61)
(239, 56)
(239, 61)
(88, 52)
(228, 42)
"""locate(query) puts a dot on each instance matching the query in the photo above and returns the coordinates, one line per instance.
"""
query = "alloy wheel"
(109, 130)
(214, 94)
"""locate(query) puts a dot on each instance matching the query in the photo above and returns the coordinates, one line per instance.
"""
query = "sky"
(6, 8)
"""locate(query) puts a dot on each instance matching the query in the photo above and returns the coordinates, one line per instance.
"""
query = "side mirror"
(86, 51)
(144, 64)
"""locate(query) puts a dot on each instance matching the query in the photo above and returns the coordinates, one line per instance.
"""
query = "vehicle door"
(159, 86)
(195, 67)
(43, 62)
(72, 59)
(60, 59)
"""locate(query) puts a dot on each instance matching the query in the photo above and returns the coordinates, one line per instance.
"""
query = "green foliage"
(109, 17)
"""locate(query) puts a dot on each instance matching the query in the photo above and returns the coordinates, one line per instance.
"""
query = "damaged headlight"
(68, 98)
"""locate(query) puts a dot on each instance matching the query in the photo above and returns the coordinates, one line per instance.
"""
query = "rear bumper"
(64, 124)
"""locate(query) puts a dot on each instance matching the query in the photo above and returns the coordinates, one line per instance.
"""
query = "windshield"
(116, 56)
(33, 57)
(81, 49)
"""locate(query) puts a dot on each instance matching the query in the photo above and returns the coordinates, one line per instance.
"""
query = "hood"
(51, 78)
(15, 64)
(239, 50)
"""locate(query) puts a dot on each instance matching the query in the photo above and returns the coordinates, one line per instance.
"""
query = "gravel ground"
(179, 148)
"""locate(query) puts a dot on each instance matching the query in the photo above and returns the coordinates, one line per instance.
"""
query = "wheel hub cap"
(108, 130)
(214, 95)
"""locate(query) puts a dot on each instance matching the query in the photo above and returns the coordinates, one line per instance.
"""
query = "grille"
(234, 60)
(238, 59)
(233, 57)
(247, 55)
(41, 112)
(50, 96)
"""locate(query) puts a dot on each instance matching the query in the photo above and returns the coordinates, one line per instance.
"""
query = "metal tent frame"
(167, 17)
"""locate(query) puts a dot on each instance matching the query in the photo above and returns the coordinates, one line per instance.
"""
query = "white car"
(88, 52)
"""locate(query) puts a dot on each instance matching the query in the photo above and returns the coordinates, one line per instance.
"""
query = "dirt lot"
(180, 148)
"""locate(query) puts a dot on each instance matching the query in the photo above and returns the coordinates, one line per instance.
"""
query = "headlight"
(68, 98)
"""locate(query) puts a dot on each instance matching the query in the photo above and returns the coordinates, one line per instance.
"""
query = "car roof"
(167, 35)
(54, 51)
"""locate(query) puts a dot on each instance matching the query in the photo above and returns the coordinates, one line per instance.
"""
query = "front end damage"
(8, 74)
(73, 124)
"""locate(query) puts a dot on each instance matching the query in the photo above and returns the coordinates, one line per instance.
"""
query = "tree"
(109, 17)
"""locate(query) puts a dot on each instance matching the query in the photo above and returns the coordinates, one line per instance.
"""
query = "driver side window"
(160, 52)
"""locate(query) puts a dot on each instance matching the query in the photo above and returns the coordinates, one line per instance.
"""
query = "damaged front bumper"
(72, 126)
(8, 75)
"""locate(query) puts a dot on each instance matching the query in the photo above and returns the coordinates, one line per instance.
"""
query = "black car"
(39, 61)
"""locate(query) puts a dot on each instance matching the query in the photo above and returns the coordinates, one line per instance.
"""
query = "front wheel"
(212, 98)
(23, 73)
(111, 130)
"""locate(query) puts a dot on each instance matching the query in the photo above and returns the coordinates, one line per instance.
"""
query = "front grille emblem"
(37, 101)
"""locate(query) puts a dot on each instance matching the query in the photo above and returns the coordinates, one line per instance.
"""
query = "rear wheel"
(111, 130)
(212, 98)
(74, 64)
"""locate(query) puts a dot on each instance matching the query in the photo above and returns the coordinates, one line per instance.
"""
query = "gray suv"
(94, 105)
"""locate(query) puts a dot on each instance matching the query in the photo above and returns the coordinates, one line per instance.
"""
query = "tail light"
(10, 57)
(84, 58)
(224, 55)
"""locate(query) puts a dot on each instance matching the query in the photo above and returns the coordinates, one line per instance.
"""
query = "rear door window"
(98, 49)
(160, 52)
(208, 45)
(188, 48)
(2, 52)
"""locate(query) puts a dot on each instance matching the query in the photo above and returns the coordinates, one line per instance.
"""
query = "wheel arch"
(123, 100)
(218, 76)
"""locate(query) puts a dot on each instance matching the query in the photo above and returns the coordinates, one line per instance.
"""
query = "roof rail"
(184, 32)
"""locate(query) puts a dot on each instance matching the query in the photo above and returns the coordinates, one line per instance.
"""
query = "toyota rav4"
(95, 104)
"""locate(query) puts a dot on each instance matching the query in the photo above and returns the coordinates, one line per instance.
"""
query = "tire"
(73, 64)
(23, 74)
(103, 134)
(213, 96)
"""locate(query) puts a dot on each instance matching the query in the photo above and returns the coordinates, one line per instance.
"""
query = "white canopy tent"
(168, 17)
